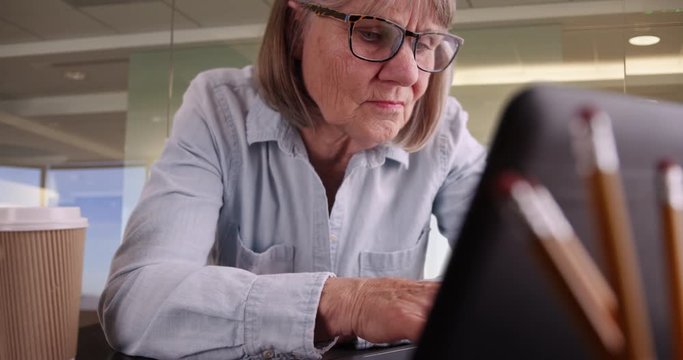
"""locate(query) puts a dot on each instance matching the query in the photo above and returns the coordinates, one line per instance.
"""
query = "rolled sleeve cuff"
(280, 315)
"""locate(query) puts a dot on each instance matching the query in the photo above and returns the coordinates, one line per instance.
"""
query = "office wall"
(88, 88)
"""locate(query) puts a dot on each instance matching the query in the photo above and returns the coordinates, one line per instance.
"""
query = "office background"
(88, 88)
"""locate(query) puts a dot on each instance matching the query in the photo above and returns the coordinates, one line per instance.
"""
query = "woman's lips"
(387, 104)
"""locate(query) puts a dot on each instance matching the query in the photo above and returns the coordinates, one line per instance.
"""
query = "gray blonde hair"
(279, 75)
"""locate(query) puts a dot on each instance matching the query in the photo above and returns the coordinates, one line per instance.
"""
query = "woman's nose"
(402, 68)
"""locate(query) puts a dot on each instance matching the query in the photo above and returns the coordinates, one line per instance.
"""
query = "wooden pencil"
(589, 293)
(671, 208)
(598, 162)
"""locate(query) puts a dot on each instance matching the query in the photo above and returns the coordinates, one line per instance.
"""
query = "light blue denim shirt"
(227, 251)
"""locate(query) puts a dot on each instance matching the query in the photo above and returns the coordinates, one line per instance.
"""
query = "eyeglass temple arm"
(321, 11)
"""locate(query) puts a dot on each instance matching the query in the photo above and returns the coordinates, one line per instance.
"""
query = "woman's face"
(363, 101)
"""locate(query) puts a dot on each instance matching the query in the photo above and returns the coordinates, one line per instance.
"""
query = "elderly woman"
(291, 204)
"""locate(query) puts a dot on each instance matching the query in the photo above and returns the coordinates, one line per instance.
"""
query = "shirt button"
(268, 354)
(333, 238)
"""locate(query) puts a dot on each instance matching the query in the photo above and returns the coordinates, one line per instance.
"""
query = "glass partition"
(64, 101)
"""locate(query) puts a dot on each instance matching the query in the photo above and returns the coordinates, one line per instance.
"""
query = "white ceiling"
(42, 39)
(35, 20)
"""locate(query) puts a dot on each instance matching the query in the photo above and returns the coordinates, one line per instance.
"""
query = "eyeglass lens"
(376, 40)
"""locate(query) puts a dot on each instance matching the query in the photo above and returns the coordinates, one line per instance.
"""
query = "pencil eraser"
(588, 112)
(665, 164)
(506, 181)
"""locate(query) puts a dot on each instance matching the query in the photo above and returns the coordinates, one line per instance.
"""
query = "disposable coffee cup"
(41, 263)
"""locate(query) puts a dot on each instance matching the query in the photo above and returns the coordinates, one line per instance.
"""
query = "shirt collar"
(264, 124)
(377, 155)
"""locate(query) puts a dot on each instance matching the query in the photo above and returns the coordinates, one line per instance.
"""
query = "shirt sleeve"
(164, 300)
(464, 162)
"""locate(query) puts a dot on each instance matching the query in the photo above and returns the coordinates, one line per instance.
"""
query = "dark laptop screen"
(497, 300)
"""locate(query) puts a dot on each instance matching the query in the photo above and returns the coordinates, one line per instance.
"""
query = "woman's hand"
(378, 310)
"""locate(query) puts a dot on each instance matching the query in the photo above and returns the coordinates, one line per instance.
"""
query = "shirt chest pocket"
(408, 263)
(276, 259)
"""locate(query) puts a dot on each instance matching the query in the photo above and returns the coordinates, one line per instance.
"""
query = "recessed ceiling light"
(74, 75)
(644, 40)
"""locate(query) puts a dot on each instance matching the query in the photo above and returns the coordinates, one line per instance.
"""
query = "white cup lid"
(41, 218)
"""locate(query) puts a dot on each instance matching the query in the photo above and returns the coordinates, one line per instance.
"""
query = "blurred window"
(19, 186)
(99, 192)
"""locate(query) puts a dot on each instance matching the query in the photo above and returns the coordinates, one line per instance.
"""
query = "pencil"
(570, 263)
(581, 259)
(598, 162)
(671, 206)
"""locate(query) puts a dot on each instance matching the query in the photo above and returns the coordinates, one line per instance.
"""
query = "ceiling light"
(644, 40)
(74, 75)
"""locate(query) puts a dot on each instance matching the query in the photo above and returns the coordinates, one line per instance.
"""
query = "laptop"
(497, 299)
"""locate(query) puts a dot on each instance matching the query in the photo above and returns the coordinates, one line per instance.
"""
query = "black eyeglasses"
(375, 39)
